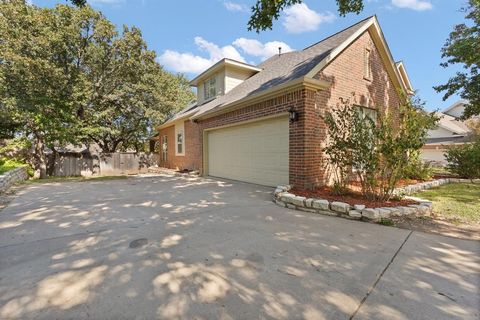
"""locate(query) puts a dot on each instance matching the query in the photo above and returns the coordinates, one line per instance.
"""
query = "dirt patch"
(352, 198)
(439, 225)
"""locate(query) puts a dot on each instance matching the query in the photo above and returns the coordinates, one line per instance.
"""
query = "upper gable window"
(210, 88)
(367, 70)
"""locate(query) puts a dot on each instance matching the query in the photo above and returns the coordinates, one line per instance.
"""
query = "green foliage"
(68, 76)
(377, 153)
(386, 222)
(463, 47)
(9, 164)
(418, 169)
(464, 160)
(265, 11)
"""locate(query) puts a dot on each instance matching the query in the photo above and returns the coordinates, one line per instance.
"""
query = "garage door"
(256, 152)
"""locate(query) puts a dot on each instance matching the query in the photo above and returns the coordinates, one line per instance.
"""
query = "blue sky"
(189, 35)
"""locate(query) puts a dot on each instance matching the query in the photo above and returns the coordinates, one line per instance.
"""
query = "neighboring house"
(263, 124)
(450, 131)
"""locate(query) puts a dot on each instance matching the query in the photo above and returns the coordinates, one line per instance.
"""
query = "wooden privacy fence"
(105, 164)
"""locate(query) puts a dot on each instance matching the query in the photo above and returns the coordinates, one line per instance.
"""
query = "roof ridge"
(338, 32)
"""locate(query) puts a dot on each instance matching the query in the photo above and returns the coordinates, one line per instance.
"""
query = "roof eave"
(224, 62)
(373, 25)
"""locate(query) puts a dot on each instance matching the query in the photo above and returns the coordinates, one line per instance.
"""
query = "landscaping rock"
(291, 206)
(298, 201)
(359, 207)
(371, 214)
(321, 204)
(384, 212)
(340, 207)
(307, 209)
(286, 197)
(355, 214)
(394, 212)
(406, 210)
(309, 203)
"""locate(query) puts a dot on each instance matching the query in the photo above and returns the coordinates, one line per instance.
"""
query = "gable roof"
(457, 104)
(298, 67)
(451, 124)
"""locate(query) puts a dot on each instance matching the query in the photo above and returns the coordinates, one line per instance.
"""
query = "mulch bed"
(352, 198)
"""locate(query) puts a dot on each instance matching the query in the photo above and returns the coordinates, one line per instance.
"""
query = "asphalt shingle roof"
(277, 70)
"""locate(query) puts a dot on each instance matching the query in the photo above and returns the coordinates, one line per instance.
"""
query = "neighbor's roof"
(452, 124)
(289, 67)
(456, 104)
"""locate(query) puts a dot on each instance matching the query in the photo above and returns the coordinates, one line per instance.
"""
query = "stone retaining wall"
(333, 208)
(12, 176)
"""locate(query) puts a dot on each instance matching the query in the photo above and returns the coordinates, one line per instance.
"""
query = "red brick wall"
(308, 165)
(346, 73)
(192, 143)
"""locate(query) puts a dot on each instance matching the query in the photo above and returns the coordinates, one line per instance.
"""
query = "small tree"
(464, 160)
(377, 153)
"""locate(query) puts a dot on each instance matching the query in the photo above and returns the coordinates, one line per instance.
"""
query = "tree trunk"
(51, 166)
(40, 163)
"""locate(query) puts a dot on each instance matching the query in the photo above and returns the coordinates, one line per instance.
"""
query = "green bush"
(464, 160)
(9, 164)
(418, 169)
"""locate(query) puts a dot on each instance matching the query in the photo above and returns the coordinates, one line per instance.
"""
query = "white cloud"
(236, 7)
(255, 48)
(216, 53)
(419, 5)
(300, 18)
(184, 62)
(188, 62)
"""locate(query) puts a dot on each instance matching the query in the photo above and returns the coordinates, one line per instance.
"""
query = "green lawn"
(456, 201)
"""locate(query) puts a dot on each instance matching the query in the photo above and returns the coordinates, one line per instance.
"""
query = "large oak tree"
(68, 76)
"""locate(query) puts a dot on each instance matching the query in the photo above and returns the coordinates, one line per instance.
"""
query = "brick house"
(263, 124)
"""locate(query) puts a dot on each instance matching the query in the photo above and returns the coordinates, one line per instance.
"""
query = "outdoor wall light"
(292, 115)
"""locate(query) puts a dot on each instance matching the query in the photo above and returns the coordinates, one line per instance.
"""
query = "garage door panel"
(255, 152)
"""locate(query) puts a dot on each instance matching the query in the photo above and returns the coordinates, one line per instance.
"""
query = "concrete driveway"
(174, 247)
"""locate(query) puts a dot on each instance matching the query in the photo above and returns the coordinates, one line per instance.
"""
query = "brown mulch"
(352, 198)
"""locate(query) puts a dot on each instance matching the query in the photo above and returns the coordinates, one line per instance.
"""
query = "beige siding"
(255, 152)
(435, 155)
(233, 77)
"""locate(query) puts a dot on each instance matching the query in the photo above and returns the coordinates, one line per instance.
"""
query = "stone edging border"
(283, 198)
(12, 176)
(413, 188)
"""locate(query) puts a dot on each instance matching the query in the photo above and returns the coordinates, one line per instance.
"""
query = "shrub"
(418, 169)
(464, 160)
(377, 151)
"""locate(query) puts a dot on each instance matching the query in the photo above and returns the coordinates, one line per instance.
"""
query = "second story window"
(210, 88)
(367, 73)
